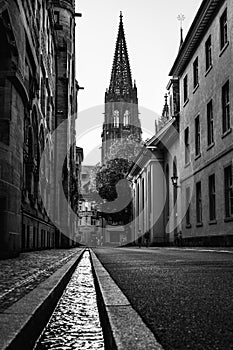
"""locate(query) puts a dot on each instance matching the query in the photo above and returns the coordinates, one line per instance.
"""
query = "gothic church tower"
(121, 101)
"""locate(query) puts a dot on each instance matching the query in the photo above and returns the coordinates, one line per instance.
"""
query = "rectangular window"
(197, 136)
(187, 146)
(212, 198)
(208, 53)
(187, 200)
(195, 73)
(198, 202)
(225, 107)
(223, 29)
(228, 182)
(56, 17)
(210, 123)
(185, 82)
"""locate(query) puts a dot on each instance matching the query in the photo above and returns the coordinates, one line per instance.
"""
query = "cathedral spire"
(121, 80)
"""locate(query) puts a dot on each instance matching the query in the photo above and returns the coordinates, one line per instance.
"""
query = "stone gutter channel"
(23, 323)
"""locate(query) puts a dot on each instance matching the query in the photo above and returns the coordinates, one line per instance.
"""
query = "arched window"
(116, 119)
(126, 118)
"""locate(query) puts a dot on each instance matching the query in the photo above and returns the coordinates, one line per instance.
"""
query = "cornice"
(197, 30)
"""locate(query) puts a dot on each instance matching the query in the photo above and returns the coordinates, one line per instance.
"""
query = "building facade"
(204, 69)
(37, 92)
(156, 209)
(121, 118)
(88, 222)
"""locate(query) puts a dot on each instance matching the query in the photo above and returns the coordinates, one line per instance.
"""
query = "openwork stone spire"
(121, 80)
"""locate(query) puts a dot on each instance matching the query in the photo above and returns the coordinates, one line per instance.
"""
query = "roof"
(121, 80)
(144, 155)
(199, 26)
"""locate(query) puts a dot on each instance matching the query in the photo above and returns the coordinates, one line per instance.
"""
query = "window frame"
(197, 136)
(226, 107)
(198, 203)
(126, 119)
(210, 123)
(212, 197)
(187, 146)
(223, 29)
(195, 73)
(187, 202)
(185, 88)
(228, 191)
(208, 53)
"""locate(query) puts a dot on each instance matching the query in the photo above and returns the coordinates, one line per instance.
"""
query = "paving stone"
(19, 276)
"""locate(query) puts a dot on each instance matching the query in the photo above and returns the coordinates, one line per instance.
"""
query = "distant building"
(38, 91)
(76, 190)
(121, 121)
(87, 211)
(121, 102)
(204, 69)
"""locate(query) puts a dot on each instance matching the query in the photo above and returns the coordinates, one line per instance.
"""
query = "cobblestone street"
(20, 275)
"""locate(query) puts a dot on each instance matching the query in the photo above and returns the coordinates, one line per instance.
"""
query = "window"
(116, 120)
(208, 54)
(223, 29)
(197, 136)
(195, 73)
(225, 107)
(187, 146)
(198, 202)
(187, 201)
(212, 201)
(185, 82)
(228, 182)
(210, 124)
(56, 17)
(126, 118)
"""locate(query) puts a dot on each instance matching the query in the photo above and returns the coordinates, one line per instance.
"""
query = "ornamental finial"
(181, 19)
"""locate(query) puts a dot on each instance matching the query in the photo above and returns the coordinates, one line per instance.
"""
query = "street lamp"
(174, 179)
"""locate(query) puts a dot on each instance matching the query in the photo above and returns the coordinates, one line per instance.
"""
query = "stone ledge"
(122, 326)
(22, 323)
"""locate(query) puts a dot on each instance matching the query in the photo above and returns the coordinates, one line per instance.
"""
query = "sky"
(152, 33)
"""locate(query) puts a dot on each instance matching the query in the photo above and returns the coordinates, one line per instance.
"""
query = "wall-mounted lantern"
(174, 179)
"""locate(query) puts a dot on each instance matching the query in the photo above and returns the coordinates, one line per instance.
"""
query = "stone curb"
(123, 328)
(22, 323)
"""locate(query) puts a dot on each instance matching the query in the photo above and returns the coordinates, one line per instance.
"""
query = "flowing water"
(75, 322)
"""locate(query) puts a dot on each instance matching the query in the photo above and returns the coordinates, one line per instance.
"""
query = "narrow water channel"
(75, 322)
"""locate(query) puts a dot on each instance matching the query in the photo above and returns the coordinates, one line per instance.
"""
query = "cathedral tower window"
(116, 120)
(126, 118)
